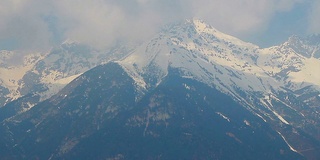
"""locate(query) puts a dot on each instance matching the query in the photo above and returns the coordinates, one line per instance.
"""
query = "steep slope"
(58, 68)
(200, 50)
(98, 117)
(43, 76)
(268, 82)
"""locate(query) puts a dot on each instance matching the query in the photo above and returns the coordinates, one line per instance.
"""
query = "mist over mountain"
(190, 92)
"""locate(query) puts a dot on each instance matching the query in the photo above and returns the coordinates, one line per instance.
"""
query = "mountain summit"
(191, 92)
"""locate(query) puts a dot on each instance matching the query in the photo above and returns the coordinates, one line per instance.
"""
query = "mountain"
(97, 116)
(42, 75)
(278, 84)
(12, 72)
(191, 92)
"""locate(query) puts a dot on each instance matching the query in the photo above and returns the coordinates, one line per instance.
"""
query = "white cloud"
(22, 22)
(243, 16)
(94, 22)
(100, 23)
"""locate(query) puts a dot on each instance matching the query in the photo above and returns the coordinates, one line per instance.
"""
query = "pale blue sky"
(283, 25)
(39, 25)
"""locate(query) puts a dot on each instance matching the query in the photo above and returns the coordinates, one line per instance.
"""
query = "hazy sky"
(41, 24)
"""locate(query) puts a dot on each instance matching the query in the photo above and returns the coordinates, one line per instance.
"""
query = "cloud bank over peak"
(38, 24)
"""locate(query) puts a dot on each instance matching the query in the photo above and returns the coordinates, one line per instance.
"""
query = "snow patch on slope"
(291, 148)
(55, 86)
(308, 74)
(223, 116)
(11, 75)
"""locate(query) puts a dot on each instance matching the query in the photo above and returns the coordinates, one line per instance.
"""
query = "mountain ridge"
(170, 121)
(256, 78)
(207, 34)
(265, 82)
(47, 73)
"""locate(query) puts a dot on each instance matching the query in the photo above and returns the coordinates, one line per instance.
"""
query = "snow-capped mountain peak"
(200, 52)
(204, 29)
(266, 81)
(307, 47)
